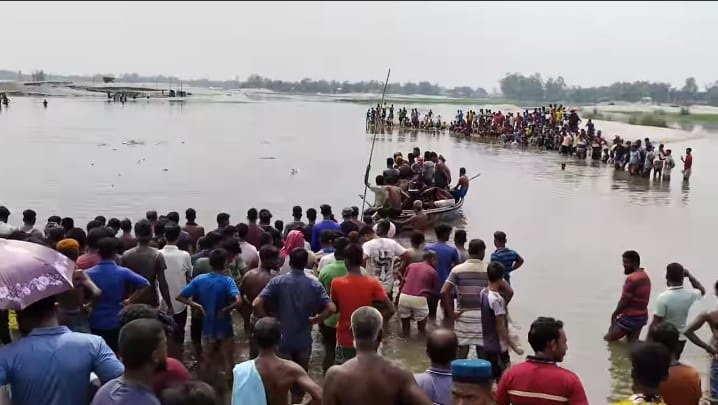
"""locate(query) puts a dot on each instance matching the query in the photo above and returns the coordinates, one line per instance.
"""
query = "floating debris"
(264, 142)
(294, 171)
(268, 158)
(164, 170)
(92, 164)
(114, 149)
(133, 142)
(101, 144)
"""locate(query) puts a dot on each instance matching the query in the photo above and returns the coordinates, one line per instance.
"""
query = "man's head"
(471, 382)
(631, 261)
(218, 259)
(229, 232)
(70, 248)
(431, 258)
(443, 232)
(417, 239)
(142, 344)
(222, 220)
(95, 235)
(460, 237)
(462, 171)
(79, 235)
(675, 274)
(379, 180)
(101, 219)
(499, 239)
(151, 216)
(649, 366)
(418, 206)
(339, 245)
(389, 163)
(311, 215)
(67, 223)
(114, 224)
(143, 231)
(189, 393)
(548, 339)
(667, 334)
(326, 210)
(477, 249)
(252, 215)
(366, 327)
(265, 217)
(29, 217)
(4, 213)
(242, 231)
(298, 258)
(108, 247)
(269, 256)
(327, 237)
(355, 212)
(126, 225)
(441, 347)
(688, 151)
(353, 255)
(347, 213)
(142, 311)
(382, 228)
(172, 232)
(36, 314)
(297, 212)
(267, 333)
(174, 216)
(190, 214)
(495, 271)
(232, 247)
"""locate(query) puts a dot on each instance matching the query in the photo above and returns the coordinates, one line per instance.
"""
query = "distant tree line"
(534, 88)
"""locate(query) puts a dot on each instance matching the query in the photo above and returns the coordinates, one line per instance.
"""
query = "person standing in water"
(711, 318)
(687, 164)
(668, 165)
(369, 372)
(419, 282)
(631, 313)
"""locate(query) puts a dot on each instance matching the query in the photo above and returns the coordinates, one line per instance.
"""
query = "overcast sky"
(450, 43)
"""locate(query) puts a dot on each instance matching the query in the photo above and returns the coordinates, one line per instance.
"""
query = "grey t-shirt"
(148, 262)
(117, 392)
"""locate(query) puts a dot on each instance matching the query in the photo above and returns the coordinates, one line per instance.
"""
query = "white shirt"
(249, 254)
(326, 259)
(179, 267)
(381, 254)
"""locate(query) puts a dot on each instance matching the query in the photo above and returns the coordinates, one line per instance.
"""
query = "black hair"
(649, 363)
(151, 215)
(366, 230)
(242, 230)
(666, 334)
(108, 247)
(379, 180)
(265, 216)
(460, 236)
(204, 243)
(462, 171)
(137, 341)
(297, 211)
(355, 211)
(143, 230)
(476, 247)
(428, 255)
(543, 331)
(340, 244)
(79, 235)
(279, 225)
(252, 214)
(312, 214)
(495, 271)
(37, 311)
(189, 393)
(174, 216)
(214, 238)
(382, 228)
(389, 162)
(190, 214)
(126, 225)
(675, 273)
(298, 258)
(218, 259)
(95, 235)
(267, 333)
(228, 231)
(101, 219)
(325, 209)
(443, 231)
(113, 223)
(268, 253)
(4, 213)
(67, 223)
(266, 239)
(143, 311)
(55, 234)
(54, 218)
(93, 224)
(353, 255)
(327, 236)
(29, 217)
(442, 351)
(232, 246)
(500, 236)
(222, 218)
(633, 257)
(172, 232)
(417, 238)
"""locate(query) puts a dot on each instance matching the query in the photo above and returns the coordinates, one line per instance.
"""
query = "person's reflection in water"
(620, 371)
(685, 191)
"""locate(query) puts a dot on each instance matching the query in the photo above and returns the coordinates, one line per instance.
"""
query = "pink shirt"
(87, 261)
(420, 280)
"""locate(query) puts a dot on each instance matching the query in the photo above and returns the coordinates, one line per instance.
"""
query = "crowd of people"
(137, 287)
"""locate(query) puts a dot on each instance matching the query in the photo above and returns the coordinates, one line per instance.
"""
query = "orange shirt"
(350, 293)
(682, 387)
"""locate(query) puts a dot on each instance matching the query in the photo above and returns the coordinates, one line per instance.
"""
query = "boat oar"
(477, 175)
(368, 166)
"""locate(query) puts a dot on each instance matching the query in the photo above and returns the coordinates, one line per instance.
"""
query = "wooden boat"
(432, 212)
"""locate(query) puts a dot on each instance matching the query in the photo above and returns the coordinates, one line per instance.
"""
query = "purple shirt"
(116, 392)
(436, 384)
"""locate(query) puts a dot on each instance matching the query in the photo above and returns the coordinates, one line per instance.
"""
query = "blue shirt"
(436, 384)
(507, 257)
(327, 224)
(112, 280)
(446, 254)
(52, 366)
(213, 291)
(295, 297)
(117, 392)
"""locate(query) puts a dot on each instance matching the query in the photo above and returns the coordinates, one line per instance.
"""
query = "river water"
(76, 158)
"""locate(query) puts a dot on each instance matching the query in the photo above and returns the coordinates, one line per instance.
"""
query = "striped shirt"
(540, 382)
(469, 278)
(636, 292)
(507, 257)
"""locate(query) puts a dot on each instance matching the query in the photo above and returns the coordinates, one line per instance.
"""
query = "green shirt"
(329, 273)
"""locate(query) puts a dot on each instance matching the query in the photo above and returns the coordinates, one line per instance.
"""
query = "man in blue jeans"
(710, 317)
(296, 299)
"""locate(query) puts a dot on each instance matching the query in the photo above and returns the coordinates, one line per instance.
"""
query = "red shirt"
(420, 280)
(175, 372)
(539, 382)
(254, 235)
(88, 260)
(688, 163)
(636, 291)
(350, 293)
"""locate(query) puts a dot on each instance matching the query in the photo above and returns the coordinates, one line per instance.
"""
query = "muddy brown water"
(77, 158)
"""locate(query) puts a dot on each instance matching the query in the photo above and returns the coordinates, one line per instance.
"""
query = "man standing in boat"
(462, 186)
